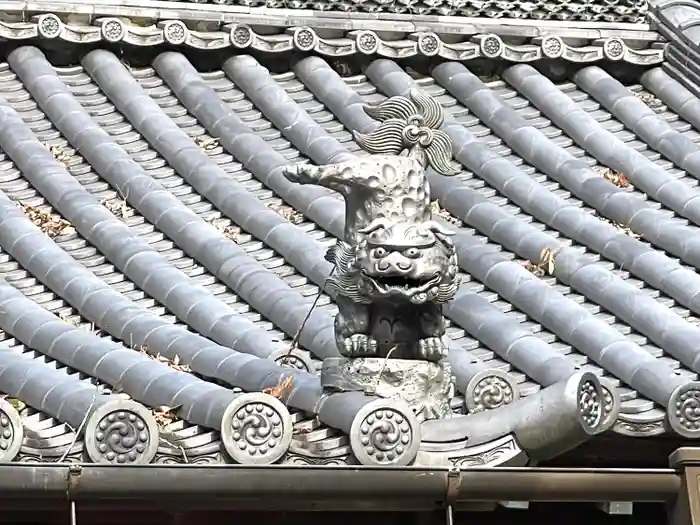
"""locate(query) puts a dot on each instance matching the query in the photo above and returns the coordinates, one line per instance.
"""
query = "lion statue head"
(405, 261)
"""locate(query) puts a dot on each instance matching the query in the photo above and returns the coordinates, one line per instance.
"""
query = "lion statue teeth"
(396, 266)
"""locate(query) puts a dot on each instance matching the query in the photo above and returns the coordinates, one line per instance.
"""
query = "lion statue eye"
(412, 253)
(379, 252)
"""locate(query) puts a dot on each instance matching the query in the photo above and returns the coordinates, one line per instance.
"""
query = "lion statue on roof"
(396, 266)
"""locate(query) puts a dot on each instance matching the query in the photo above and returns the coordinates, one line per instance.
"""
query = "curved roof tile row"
(194, 264)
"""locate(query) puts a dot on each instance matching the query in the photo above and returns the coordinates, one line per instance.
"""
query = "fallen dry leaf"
(16, 403)
(626, 230)
(206, 144)
(438, 210)
(119, 208)
(230, 231)
(174, 363)
(615, 177)
(282, 390)
(49, 224)
(164, 415)
(621, 227)
(547, 258)
(287, 212)
(649, 99)
(61, 156)
(72, 319)
(545, 266)
(533, 268)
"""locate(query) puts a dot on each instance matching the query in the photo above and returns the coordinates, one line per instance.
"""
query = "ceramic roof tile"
(160, 269)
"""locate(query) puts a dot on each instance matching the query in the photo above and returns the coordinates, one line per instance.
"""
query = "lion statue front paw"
(360, 345)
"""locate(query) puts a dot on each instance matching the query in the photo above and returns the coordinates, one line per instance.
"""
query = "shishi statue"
(396, 267)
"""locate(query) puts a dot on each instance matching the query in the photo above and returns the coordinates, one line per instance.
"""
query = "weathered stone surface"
(426, 387)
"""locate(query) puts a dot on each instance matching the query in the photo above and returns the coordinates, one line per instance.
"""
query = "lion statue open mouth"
(390, 289)
(404, 261)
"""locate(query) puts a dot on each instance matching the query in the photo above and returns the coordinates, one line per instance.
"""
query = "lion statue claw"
(432, 349)
(360, 345)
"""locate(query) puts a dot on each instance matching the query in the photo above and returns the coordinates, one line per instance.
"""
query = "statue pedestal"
(426, 387)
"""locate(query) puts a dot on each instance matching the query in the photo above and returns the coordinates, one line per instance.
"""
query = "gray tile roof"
(625, 11)
(158, 258)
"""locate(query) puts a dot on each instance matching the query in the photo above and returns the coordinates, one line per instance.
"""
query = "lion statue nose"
(395, 264)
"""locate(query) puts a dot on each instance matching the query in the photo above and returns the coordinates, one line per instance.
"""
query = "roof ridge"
(535, 16)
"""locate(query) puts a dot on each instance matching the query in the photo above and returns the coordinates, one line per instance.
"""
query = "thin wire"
(78, 431)
(295, 340)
